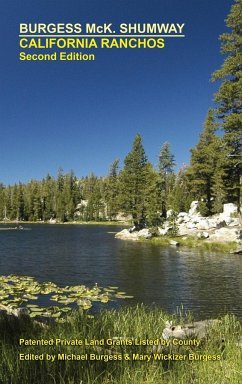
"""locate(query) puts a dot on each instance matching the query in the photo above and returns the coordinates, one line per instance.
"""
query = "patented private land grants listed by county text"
(101, 352)
(110, 342)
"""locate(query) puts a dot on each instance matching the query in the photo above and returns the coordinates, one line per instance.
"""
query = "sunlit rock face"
(222, 227)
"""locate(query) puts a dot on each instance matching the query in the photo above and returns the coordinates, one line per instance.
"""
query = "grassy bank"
(190, 242)
(129, 322)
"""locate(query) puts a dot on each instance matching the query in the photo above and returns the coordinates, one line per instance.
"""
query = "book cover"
(120, 235)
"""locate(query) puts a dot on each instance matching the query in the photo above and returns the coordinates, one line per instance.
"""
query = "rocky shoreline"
(221, 228)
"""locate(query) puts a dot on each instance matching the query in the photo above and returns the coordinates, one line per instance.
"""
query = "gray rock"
(229, 209)
(183, 217)
(212, 223)
(226, 234)
(203, 224)
(183, 230)
(203, 235)
(125, 234)
(145, 233)
(169, 213)
(237, 251)
(191, 226)
(221, 224)
(228, 220)
(131, 234)
(193, 208)
(180, 220)
(162, 231)
(197, 329)
(174, 243)
(182, 214)
(234, 222)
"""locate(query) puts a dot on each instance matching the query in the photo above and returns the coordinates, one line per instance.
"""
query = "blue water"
(208, 284)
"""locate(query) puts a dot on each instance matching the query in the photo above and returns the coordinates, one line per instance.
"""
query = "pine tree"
(48, 188)
(152, 197)
(112, 190)
(14, 203)
(8, 201)
(203, 165)
(166, 171)
(218, 187)
(21, 207)
(33, 209)
(60, 201)
(70, 195)
(229, 97)
(2, 202)
(181, 197)
(133, 179)
(94, 209)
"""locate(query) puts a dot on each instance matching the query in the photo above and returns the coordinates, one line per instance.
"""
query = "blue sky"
(83, 115)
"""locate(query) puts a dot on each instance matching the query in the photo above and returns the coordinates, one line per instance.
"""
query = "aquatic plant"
(25, 293)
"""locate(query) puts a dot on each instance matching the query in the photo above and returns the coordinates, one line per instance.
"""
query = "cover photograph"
(120, 192)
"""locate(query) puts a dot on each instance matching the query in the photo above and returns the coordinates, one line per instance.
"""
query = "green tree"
(33, 209)
(166, 171)
(20, 202)
(218, 187)
(48, 189)
(133, 179)
(14, 203)
(59, 196)
(152, 197)
(3, 209)
(181, 197)
(203, 165)
(112, 190)
(70, 195)
(92, 193)
(7, 203)
(229, 97)
(17, 211)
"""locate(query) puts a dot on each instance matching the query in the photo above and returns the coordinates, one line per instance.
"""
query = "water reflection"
(208, 284)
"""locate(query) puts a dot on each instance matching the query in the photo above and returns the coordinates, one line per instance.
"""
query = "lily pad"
(16, 290)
